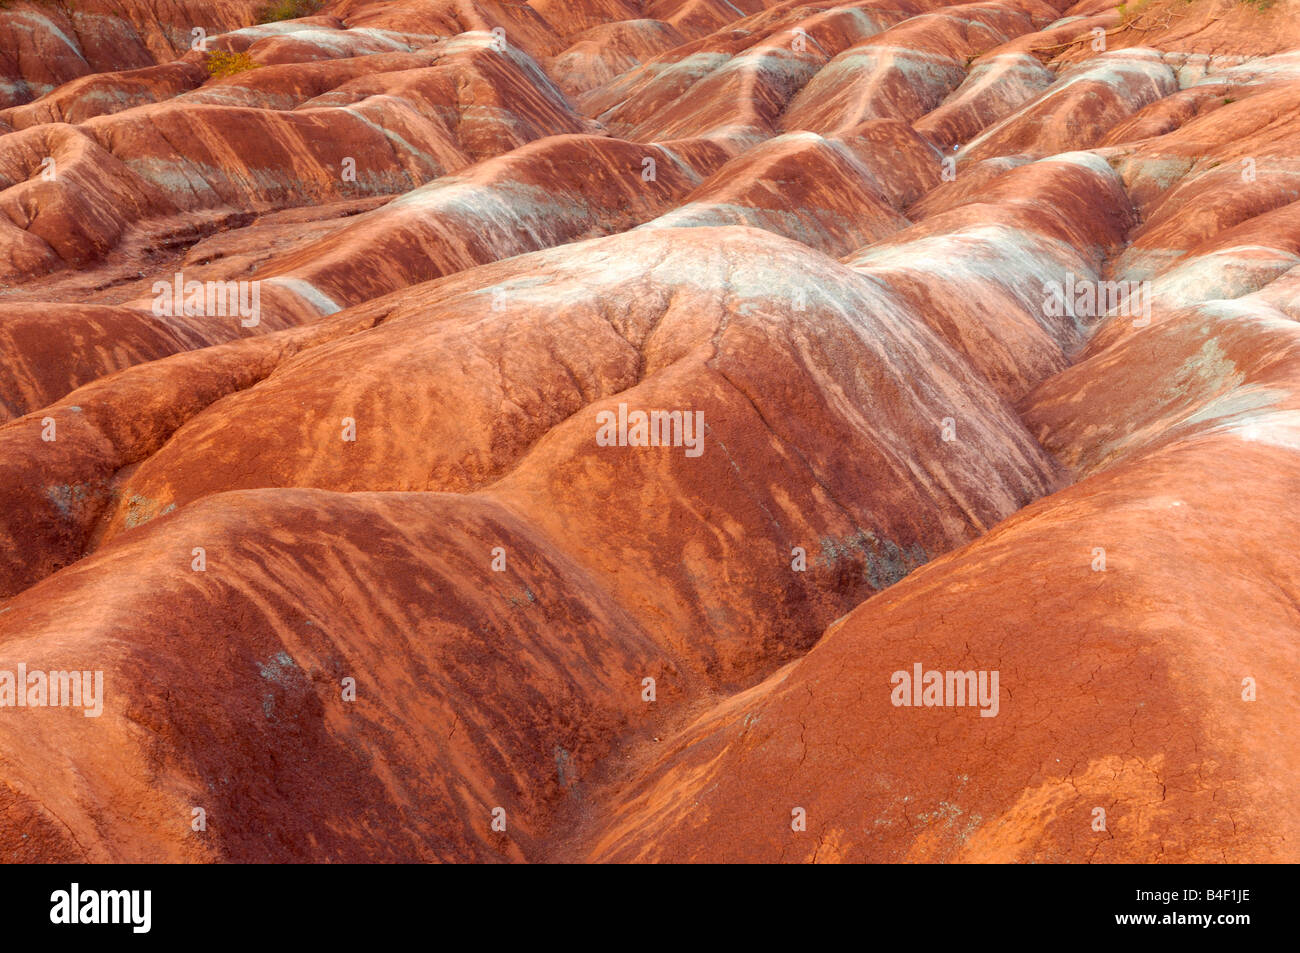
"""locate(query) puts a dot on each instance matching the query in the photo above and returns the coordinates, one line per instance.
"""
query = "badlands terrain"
(330, 337)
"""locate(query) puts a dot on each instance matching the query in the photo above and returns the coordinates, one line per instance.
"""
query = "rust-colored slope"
(486, 234)
(1117, 690)
(767, 478)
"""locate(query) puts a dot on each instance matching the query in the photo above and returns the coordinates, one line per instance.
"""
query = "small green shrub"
(278, 10)
(220, 63)
(1128, 12)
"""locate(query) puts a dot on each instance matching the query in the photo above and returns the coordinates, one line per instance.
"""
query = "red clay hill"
(649, 430)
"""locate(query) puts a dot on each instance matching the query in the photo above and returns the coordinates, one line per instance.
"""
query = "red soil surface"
(365, 581)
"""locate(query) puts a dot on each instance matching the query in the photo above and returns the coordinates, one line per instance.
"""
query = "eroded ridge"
(649, 431)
